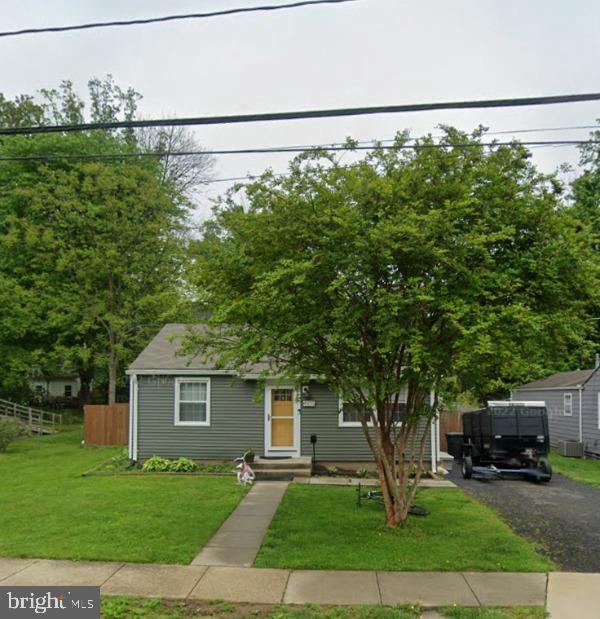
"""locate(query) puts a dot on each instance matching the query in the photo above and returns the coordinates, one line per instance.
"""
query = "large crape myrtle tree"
(428, 270)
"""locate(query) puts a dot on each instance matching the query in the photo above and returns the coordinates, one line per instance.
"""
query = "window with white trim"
(349, 416)
(568, 405)
(192, 401)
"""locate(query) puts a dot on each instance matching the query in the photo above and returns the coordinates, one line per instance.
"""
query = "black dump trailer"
(507, 438)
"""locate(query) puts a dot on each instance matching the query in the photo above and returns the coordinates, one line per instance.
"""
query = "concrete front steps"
(281, 469)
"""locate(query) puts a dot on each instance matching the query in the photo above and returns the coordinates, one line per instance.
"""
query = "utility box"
(570, 449)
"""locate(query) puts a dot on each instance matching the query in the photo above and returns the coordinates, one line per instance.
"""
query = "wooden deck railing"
(35, 418)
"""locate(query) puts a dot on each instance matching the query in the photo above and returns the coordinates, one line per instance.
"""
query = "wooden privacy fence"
(450, 421)
(106, 424)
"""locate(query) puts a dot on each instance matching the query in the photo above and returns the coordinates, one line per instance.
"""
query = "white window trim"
(568, 397)
(354, 424)
(348, 424)
(184, 379)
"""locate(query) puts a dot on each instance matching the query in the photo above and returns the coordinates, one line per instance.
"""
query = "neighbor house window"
(192, 401)
(68, 391)
(568, 406)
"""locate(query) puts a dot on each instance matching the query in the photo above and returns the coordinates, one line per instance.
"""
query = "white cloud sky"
(370, 52)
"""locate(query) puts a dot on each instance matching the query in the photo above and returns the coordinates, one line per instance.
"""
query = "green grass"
(578, 469)
(526, 612)
(50, 511)
(126, 607)
(320, 527)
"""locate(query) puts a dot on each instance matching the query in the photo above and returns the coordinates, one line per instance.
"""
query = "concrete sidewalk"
(272, 586)
(238, 540)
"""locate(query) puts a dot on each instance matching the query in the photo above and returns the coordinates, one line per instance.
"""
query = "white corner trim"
(191, 379)
(133, 407)
(580, 417)
(130, 431)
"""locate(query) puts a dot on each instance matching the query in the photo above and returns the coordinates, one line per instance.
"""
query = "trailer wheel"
(545, 467)
(467, 467)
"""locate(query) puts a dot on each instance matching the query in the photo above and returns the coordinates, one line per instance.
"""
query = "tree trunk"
(86, 375)
(394, 466)
(113, 364)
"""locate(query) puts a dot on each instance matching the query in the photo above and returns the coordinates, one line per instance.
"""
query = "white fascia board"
(201, 372)
(573, 388)
(196, 372)
(506, 403)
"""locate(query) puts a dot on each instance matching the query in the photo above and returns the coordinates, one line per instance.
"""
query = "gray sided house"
(573, 403)
(185, 406)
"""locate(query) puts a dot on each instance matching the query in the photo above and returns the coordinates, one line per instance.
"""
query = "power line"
(168, 18)
(285, 149)
(305, 114)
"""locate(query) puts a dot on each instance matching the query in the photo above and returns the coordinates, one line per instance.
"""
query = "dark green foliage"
(156, 464)
(455, 269)
(10, 430)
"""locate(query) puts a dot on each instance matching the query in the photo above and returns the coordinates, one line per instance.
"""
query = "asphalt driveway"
(562, 517)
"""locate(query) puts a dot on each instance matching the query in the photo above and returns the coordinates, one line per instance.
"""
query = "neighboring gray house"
(185, 406)
(573, 403)
(56, 387)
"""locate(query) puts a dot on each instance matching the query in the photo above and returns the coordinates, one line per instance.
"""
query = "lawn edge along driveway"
(321, 528)
(58, 514)
(583, 470)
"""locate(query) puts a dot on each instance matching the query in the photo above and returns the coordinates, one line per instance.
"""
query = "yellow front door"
(282, 418)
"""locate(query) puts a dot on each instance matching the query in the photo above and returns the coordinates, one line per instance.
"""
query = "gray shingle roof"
(161, 353)
(561, 379)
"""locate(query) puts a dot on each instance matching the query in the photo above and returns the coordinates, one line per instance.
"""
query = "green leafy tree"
(91, 252)
(586, 207)
(434, 270)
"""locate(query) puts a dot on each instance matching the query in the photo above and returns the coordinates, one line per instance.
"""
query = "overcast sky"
(370, 52)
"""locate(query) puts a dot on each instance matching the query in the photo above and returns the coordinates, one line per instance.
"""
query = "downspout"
(130, 439)
(433, 431)
(580, 387)
(134, 401)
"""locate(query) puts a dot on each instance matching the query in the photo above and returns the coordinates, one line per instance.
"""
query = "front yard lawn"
(50, 511)
(578, 469)
(320, 527)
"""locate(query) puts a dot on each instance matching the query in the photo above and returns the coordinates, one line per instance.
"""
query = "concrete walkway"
(567, 595)
(238, 541)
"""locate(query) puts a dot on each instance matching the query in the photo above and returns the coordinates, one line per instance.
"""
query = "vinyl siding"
(561, 427)
(237, 420)
(334, 443)
(591, 433)
(237, 423)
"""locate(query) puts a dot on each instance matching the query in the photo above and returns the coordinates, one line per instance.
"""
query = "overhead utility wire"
(168, 18)
(305, 114)
(286, 149)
